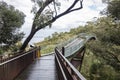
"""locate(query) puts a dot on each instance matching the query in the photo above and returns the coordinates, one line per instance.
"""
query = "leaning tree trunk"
(27, 40)
(45, 4)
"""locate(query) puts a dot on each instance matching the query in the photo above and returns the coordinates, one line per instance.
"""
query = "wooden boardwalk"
(41, 69)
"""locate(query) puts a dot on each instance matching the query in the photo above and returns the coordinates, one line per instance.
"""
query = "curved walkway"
(41, 69)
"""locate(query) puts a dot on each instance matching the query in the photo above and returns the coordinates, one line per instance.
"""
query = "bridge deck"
(41, 69)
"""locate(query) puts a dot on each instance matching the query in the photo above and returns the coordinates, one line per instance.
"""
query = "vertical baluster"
(63, 51)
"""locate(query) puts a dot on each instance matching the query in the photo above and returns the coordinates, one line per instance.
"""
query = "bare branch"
(81, 6)
(74, 3)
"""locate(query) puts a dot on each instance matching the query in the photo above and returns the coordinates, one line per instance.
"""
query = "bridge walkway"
(41, 69)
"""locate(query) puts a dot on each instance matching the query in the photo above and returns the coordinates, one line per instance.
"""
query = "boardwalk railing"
(65, 70)
(12, 66)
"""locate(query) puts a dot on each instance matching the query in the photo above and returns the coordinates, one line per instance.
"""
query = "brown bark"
(24, 45)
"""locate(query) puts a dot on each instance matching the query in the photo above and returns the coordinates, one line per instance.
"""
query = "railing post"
(38, 53)
(63, 51)
(40, 50)
(0, 58)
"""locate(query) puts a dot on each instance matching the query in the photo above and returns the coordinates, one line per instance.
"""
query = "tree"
(113, 9)
(107, 45)
(10, 22)
(45, 15)
(102, 61)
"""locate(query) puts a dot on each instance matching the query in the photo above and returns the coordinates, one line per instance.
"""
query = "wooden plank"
(41, 69)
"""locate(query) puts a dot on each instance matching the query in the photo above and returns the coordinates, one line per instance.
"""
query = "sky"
(91, 9)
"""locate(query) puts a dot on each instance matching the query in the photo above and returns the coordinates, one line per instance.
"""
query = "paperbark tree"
(46, 15)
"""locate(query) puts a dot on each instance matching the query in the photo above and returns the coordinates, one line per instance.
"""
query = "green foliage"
(16, 47)
(1, 51)
(89, 59)
(106, 48)
(113, 9)
(100, 71)
(10, 22)
(47, 49)
(51, 42)
(107, 45)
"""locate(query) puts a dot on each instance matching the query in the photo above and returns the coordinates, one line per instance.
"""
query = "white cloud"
(81, 16)
(91, 9)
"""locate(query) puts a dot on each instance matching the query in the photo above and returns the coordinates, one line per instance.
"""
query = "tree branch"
(62, 14)
(34, 26)
(81, 6)
(70, 9)
(45, 4)
(74, 3)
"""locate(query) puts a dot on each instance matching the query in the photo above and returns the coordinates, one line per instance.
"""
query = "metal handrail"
(70, 71)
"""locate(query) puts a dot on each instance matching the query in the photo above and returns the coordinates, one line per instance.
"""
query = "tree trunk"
(24, 45)
(45, 4)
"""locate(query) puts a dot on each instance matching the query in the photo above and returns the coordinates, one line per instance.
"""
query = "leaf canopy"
(10, 22)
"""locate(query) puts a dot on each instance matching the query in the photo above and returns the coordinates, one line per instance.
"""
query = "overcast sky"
(91, 9)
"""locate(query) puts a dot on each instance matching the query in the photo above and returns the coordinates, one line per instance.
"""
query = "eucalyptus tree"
(11, 20)
(46, 12)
